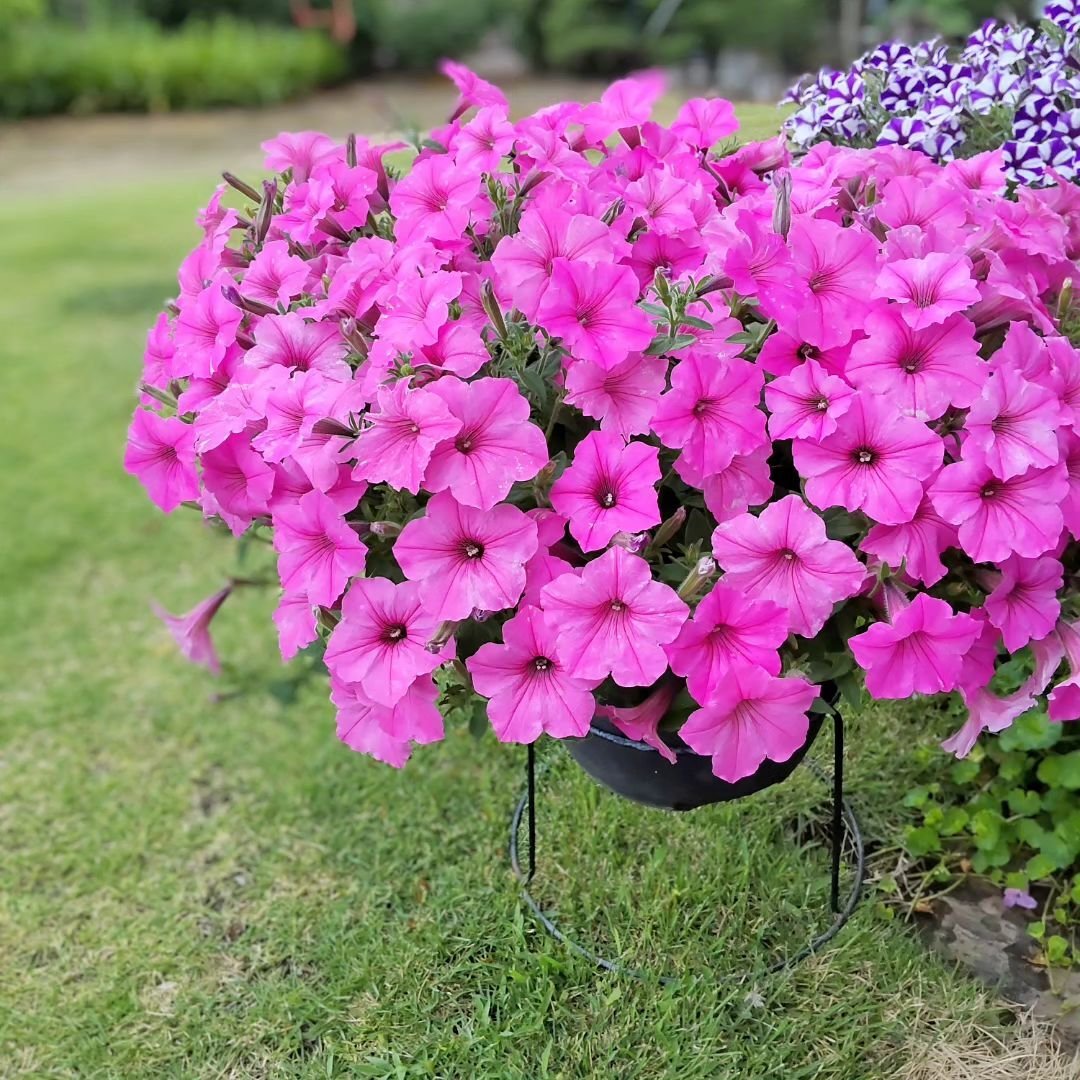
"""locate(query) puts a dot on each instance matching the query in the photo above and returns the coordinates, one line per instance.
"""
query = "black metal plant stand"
(844, 823)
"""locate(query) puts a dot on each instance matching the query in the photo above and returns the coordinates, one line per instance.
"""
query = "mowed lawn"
(196, 883)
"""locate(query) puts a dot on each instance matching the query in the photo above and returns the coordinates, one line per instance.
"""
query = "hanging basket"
(639, 772)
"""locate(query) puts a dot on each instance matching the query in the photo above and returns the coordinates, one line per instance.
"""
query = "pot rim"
(609, 732)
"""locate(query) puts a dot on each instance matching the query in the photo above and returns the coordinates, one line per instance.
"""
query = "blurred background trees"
(95, 55)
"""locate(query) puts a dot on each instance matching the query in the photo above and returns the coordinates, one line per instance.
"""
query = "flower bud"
(668, 529)
(695, 581)
(239, 185)
(266, 210)
(235, 297)
(491, 307)
(635, 543)
(442, 635)
(386, 528)
(350, 151)
(782, 207)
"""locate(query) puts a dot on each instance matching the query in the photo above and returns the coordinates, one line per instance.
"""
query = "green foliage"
(48, 67)
(607, 36)
(415, 35)
(1011, 813)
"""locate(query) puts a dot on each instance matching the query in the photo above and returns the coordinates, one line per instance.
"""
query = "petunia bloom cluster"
(600, 420)
(1011, 87)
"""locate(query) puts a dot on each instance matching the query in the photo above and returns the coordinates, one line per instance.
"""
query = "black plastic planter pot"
(636, 771)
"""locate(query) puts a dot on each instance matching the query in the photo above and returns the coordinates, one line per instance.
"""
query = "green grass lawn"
(201, 886)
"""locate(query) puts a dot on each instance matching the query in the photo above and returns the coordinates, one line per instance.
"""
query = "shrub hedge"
(54, 67)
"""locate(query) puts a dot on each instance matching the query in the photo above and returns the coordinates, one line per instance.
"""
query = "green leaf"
(693, 320)
(1057, 849)
(986, 827)
(478, 722)
(1037, 930)
(851, 688)
(1056, 949)
(1016, 880)
(916, 797)
(1032, 731)
(1030, 832)
(921, 841)
(1039, 867)
(963, 772)
(955, 821)
(1024, 803)
(1061, 770)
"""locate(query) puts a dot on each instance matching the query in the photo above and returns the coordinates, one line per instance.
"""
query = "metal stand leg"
(837, 809)
(844, 824)
(530, 777)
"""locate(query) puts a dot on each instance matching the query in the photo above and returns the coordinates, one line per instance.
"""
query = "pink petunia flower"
(191, 631)
(317, 550)
(1063, 704)
(383, 732)
(381, 641)
(459, 349)
(875, 461)
(609, 488)
(593, 311)
(295, 343)
(745, 482)
(484, 140)
(753, 715)
(434, 201)
(160, 454)
(292, 410)
(495, 447)
(998, 518)
(404, 429)
(1013, 425)
(416, 309)
(473, 90)
(835, 263)
(924, 371)
(784, 555)
(299, 151)
(930, 289)
(525, 260)
(989, 712)
(626, 103)
(728, 630)
(239, 481)
(529, 690)
(703, 122)
(1024, 604)
(296, 624)
(205, 331)
(917, 545)
(711, 413)
(624, 398)
(274, 276)
(614, 619)
(466, 559)
(921, 652)
(642, 722)
(806, 403)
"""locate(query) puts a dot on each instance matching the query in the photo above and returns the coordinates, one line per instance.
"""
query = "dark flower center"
(788, 555)
(822, 404)
(864, 456)
(806, 351)
(1001, 424)
(472, 549)
(396, 633)
(541, 663)
(989, 491)
(606, 498)
(617, 606)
